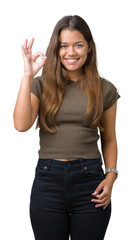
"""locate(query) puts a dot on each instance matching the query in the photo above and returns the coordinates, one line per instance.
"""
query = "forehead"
(71, 36)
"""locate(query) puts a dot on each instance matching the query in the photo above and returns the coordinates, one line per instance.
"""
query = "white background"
(111, 23)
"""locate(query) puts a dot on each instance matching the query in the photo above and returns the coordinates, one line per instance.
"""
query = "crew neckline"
(75, 84)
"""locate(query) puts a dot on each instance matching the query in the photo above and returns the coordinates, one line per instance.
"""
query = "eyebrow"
(75, 42)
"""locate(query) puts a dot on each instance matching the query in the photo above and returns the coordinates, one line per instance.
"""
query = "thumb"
(41, 64)
(98, 189)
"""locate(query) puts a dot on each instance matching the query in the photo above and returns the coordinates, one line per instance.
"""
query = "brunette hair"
(55, 78)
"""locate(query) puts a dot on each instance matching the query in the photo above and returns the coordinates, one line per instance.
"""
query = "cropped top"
(75, 138)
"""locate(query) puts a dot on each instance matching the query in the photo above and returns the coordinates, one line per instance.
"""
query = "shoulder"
(107, 86)
(37, 86)
(109, 92)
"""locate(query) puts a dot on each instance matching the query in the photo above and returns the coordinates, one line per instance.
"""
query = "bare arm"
(26, 108)
(27, 104)
(109, 150)
(108, 140)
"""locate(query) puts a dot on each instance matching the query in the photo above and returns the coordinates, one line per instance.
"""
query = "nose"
(71, 51)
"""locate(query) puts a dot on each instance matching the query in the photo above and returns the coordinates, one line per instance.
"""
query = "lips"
(71, 60)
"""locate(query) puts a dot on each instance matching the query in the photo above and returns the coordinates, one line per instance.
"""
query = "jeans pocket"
(44, 175)
(42, 168)
(94, 171)
(41, 171)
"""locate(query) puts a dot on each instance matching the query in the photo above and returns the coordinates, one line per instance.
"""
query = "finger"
(105, 206)
(25, 43)
(98, 189)
(100, 205)
(105, 193)
(99, 200)
(102, 195)
(41, 64)
(22, 49)
(38, 54)
(31, 43)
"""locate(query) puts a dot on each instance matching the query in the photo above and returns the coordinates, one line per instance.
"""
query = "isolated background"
(111, 23)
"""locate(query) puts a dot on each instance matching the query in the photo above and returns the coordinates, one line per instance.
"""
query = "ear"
(90, 47)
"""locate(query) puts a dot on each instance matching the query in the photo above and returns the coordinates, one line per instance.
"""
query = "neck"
(74, 76)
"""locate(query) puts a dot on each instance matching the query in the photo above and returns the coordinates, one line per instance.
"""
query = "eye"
(79, 45)
(63, 46)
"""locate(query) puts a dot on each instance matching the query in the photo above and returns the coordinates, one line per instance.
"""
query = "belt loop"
(82, 163)
(48, 164)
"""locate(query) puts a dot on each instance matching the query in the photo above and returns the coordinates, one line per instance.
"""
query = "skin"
(74, 47)
(109, 150)
(27, 104)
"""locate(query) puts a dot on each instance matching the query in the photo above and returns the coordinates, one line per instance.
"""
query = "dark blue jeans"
(61, 204)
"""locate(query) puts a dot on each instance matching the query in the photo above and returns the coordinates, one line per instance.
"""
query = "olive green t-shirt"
(75, 138)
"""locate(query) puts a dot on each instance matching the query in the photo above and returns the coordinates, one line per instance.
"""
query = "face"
(73, 52)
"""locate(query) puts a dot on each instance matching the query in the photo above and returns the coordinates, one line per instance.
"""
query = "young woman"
(71, 194)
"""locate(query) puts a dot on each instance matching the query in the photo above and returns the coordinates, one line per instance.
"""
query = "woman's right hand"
(31, 67)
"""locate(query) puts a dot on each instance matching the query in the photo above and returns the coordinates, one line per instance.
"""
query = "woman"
(71, 195)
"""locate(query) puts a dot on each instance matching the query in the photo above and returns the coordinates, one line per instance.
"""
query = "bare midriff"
(64, 159)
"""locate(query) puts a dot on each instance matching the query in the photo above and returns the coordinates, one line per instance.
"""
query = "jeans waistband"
(70, 163)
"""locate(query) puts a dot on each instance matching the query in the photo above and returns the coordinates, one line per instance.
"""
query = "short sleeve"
(110, 94)
(37, 87)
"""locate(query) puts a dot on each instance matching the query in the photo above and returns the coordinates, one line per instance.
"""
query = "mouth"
(71, 60)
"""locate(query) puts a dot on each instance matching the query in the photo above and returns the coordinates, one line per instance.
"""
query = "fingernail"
(94, 192)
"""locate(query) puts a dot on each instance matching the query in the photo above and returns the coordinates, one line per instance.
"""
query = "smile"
(71, 60)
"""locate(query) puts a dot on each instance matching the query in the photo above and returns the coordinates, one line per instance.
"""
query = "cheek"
(84, 54)
(61, 52)
(61, 55)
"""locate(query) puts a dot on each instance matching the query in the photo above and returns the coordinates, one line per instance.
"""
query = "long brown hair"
(55, 78)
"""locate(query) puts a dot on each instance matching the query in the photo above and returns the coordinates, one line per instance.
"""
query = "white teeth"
(72, 60)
